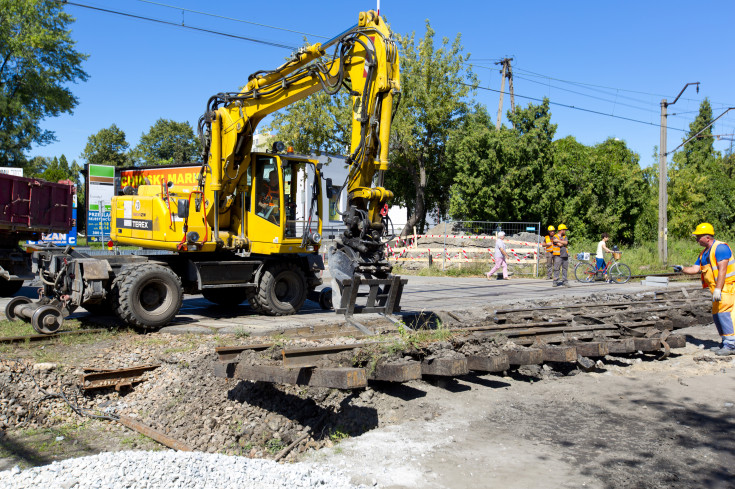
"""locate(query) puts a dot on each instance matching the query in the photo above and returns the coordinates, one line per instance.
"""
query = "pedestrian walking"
(561, 257)
(501, 257)
(548, 245)
(716, 266)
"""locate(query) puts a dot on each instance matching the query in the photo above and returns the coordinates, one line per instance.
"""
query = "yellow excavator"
(251, 227)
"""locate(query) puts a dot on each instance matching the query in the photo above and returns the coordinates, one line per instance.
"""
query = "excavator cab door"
(285, 204)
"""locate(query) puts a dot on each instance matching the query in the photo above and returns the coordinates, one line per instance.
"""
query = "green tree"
(436, 83)
(615, 196)
(500, 174)
(37, 63)
(699, 186)
(320, 124)
(107, 147)
(167, 142)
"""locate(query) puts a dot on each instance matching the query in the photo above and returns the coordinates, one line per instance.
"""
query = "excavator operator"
(268, 201)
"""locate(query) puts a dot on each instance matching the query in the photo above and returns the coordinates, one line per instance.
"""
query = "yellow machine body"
(152, 219)
(223, 207)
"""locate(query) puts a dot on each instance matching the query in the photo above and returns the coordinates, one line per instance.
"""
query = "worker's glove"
(717, 295)
(678, 268)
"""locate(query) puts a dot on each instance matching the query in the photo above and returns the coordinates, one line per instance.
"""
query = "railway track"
(454, 344)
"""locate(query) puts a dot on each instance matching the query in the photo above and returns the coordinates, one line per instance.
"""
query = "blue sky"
(618, 58)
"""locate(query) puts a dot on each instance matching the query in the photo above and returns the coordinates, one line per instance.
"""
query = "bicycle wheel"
(584, 272)
(619, 273)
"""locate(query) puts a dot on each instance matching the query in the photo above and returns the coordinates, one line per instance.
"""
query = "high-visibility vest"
(548, 244)
(555, 248)
(709, 270)
(271, 196)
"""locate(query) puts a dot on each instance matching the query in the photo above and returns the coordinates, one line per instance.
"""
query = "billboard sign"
(10, 170)
(101, 189)
(179, 175)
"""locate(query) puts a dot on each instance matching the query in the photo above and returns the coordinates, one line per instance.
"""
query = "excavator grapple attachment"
(383, 295)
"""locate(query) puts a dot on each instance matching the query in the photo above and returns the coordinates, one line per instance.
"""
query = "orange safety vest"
(548, 244)
(271, 196)
(555, 248)
(709, 270)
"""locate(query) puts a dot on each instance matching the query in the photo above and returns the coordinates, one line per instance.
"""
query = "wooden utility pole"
(663, 193)
(507, 73)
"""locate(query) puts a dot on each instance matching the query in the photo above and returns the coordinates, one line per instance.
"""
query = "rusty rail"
(93, 378)
(153, 434)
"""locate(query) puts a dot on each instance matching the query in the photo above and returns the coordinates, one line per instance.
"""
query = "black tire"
(251, 295)
(147, 296)
(584, 272)
(226, 297)
(9, 287)
(282, 289)
(619, 273)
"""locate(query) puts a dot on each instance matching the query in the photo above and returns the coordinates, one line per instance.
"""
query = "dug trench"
(633, 420)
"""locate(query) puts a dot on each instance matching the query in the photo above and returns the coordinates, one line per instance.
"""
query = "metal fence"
(459, 244)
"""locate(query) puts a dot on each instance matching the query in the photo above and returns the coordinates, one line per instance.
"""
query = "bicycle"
(587, 272)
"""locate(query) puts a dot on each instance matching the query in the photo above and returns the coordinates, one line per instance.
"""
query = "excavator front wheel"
(281, 290)
(147, 296)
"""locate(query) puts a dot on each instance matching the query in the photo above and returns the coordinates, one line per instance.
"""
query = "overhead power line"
(230, 18)
(579, 108)
(291, 47)
(174, 24)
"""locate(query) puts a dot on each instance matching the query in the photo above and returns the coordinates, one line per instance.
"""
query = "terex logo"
(135, 224)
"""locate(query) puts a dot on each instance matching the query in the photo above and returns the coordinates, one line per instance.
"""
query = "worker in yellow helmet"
(548, 245)
(561, 257)
(716, 265)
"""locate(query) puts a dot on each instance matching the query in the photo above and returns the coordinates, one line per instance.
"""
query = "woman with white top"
(501, 257)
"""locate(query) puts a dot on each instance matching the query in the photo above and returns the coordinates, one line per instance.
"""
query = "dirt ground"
(635, 422)
(652, 424)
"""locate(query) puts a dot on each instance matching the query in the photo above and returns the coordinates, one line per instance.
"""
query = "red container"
(34, 205)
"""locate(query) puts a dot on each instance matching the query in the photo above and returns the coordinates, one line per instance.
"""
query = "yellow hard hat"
(562, 226)
(551, 228)
(704, 228)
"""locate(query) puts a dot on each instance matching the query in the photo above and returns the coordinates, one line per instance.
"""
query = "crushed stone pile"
(172, 470)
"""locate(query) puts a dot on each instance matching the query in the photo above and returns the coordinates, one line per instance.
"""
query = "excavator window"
(299, 202)
(267, 189)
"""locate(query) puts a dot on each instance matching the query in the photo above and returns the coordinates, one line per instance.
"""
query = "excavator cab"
(283, 208)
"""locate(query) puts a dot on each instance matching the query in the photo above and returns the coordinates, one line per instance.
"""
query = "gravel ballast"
(172, 470)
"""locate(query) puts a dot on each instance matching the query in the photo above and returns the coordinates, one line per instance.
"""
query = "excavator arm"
(365, 62)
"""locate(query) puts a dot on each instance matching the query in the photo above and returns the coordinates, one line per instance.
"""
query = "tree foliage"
(167, 142)
(700, 187)
(435, 83)
(37, 63)
(500, 173)
(519, 174)
(320, 124)
(107, 147)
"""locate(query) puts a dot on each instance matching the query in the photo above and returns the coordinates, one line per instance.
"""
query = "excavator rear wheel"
(282, 289)
(252, 297)
(147, 296)
(226, 297)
